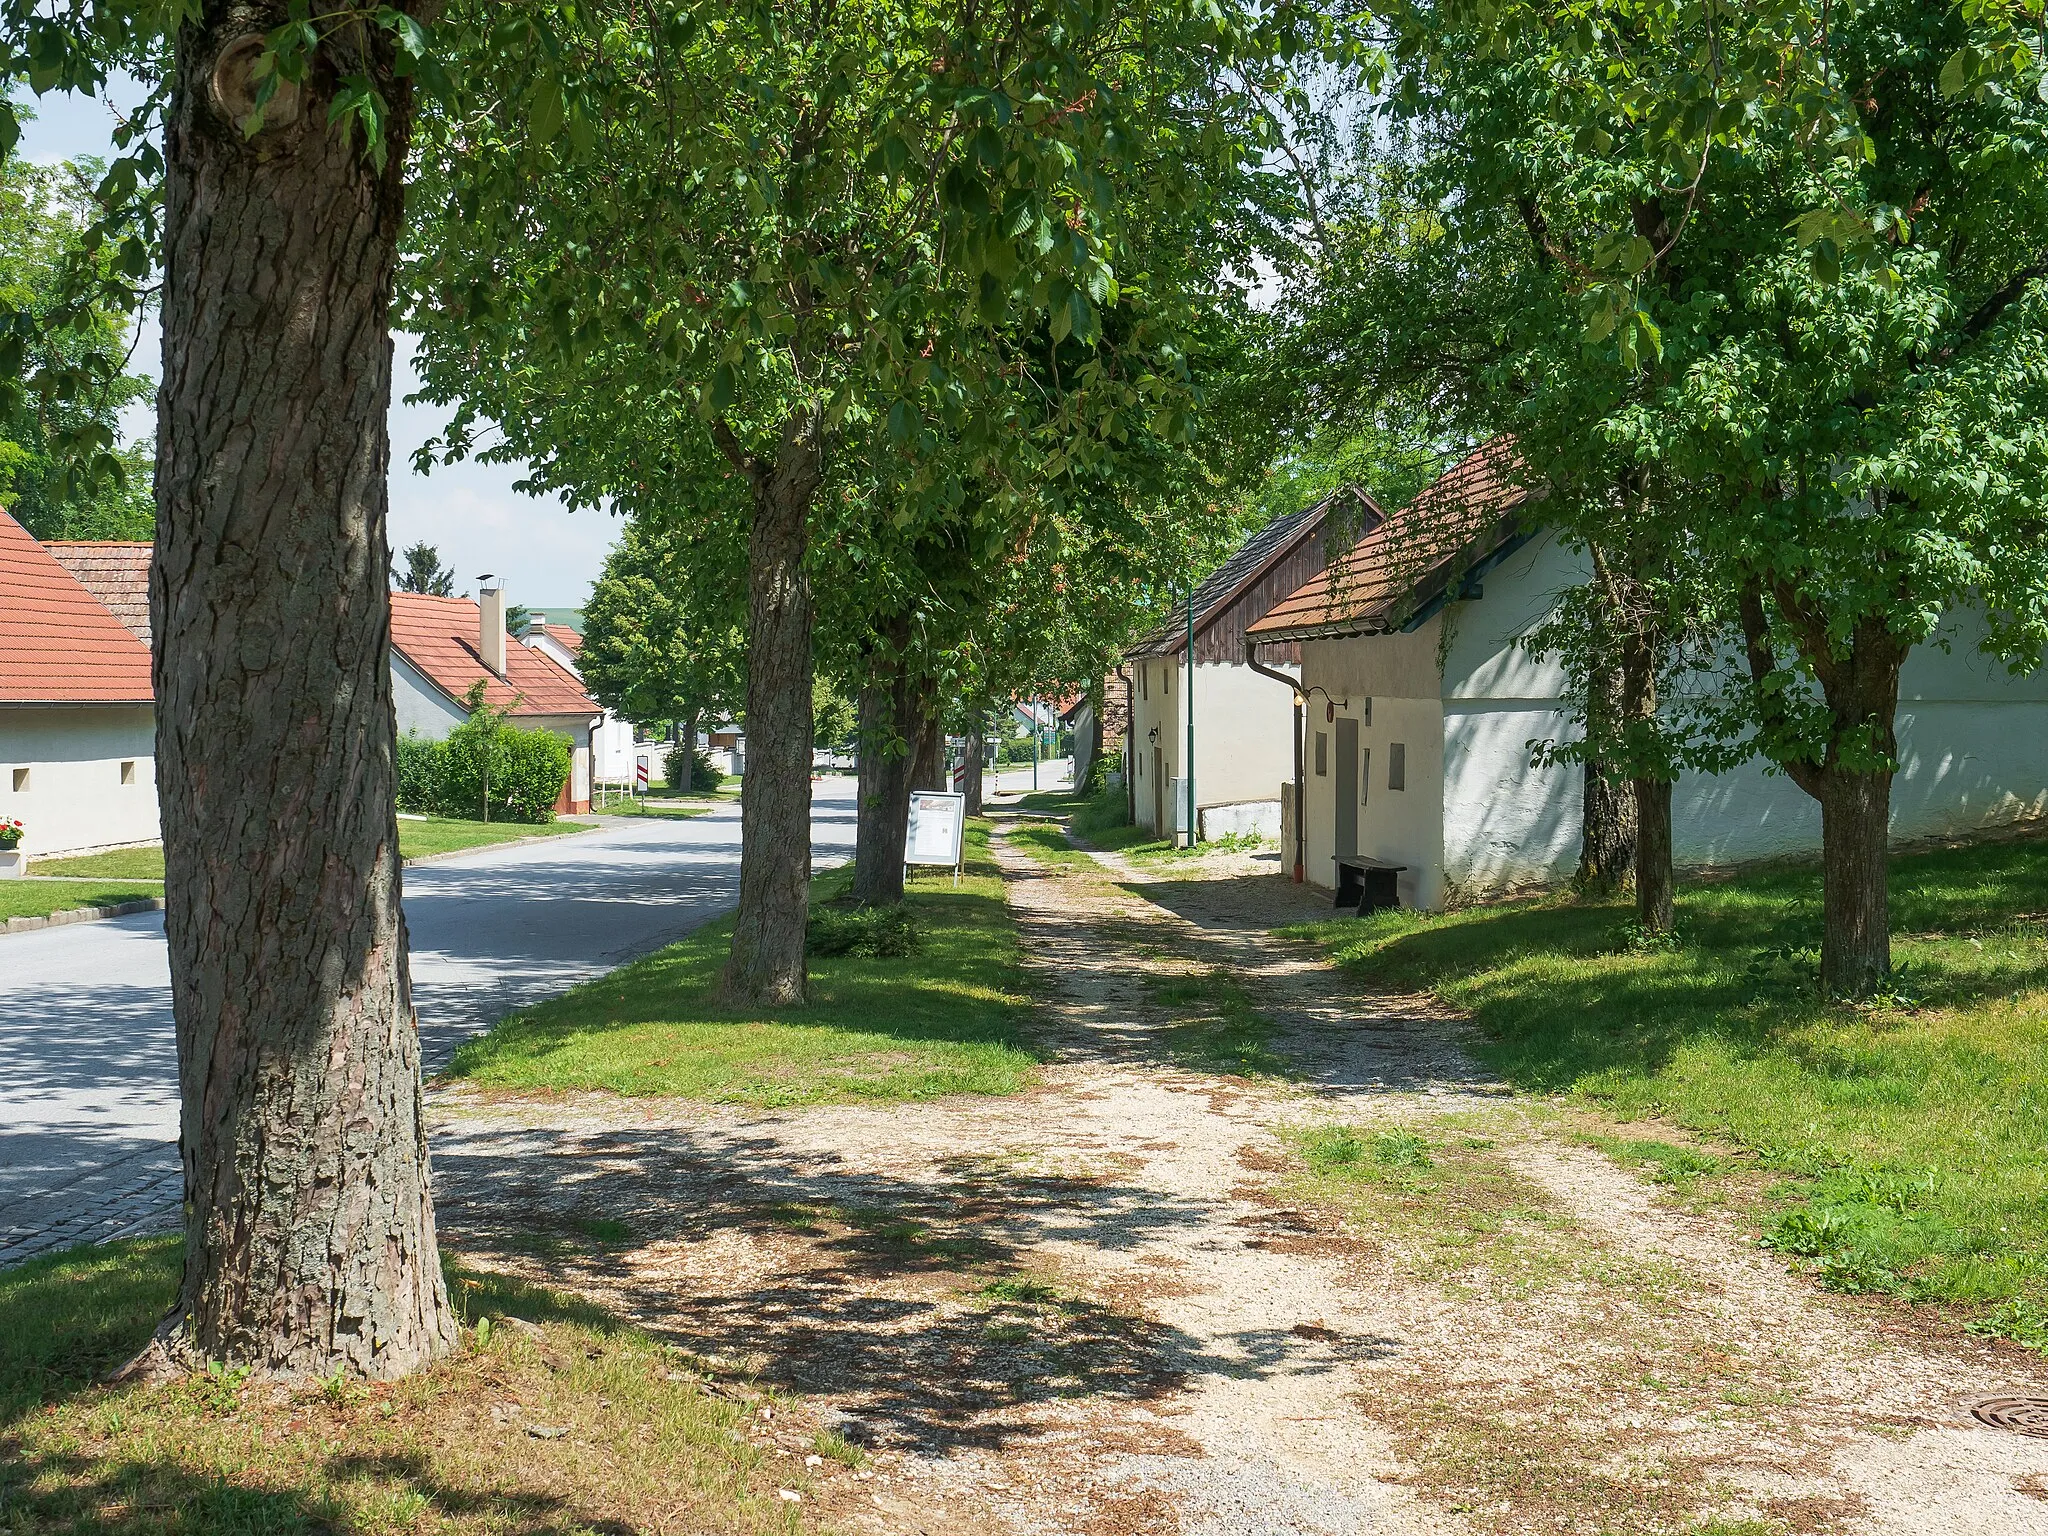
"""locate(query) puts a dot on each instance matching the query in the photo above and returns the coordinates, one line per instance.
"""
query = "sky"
(547, 555)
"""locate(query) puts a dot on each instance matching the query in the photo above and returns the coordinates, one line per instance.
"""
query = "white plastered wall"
(1156, 695)
(1244, 735)
(1973, 749)
(1398, 674)
(73, 800)
(419, 705)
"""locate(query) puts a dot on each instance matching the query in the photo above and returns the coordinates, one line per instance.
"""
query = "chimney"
(490, 605)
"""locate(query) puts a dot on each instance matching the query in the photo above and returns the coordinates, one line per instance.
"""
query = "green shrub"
(497, 772)
(867, 933)
(420, 770)
(701, 779)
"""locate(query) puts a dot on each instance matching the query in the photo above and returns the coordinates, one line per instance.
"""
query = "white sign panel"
(937, 820)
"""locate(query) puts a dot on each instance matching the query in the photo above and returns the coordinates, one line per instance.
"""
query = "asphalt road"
(88, 1067)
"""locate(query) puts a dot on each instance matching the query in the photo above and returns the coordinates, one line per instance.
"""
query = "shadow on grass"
(948, 1018)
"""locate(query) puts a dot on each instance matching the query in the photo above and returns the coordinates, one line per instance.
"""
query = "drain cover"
(2023, 1415)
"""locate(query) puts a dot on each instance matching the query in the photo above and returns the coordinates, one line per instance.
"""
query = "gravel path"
(1112, 1305)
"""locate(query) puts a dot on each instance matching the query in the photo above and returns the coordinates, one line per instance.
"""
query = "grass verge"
(1215, 1026)
(432, 834)
(1908, 1135)
(573, 1423)
(947, 1017)
(39, 898)
(673, 810)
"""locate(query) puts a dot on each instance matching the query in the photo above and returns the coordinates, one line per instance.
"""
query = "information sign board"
(937, 820)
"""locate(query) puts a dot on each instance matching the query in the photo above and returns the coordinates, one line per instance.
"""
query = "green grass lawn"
(39, 898)
(947, 1018)
(632, 1439)
(434, 834)
(1909, 1137)
(1097, 818)
(651, 805)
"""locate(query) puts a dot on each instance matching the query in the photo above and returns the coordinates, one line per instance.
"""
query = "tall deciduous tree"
(804, 217)
(309, 1232)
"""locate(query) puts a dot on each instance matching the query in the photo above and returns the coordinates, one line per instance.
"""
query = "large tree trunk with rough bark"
(1607, 821)
(888, 725)
(309, 1231)
(689, 745)
(766, 966)
(1856, 938)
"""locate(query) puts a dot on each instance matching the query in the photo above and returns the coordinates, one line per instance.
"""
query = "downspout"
(1130, 752)
(1251, 660)
(1190, 770)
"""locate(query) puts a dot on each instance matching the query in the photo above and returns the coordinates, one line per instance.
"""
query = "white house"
(611, 743)
(1243, 720)
(77, 722)
(443, 646)
(1421, 706)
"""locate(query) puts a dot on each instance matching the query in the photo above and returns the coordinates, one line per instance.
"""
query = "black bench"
(1367, 884)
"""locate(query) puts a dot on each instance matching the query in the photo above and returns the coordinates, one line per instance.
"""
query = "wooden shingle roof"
(1252, 559)
(116, 572)
(439, 636)
(1389, 573)
(58, 645)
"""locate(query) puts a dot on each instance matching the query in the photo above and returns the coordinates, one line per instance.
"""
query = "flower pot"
(12, 862)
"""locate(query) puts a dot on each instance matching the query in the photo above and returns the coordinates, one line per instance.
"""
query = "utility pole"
(1189, 770)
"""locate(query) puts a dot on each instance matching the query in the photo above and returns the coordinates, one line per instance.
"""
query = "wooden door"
(1158, 792)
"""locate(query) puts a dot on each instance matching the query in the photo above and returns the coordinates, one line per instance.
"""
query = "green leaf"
(544, 112)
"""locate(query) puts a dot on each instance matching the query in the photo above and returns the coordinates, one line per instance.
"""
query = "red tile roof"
(440, 635)
(58, 645)
(561, 634)
(1403, 562)
(115, 571)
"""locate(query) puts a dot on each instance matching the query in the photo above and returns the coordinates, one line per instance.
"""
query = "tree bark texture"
(1654, 882)
(1607, 837)
(689, 746)
(309, 1228)
(766, 966)
(1852, 781)
(928, 766)
(888, 721)
(971, 780)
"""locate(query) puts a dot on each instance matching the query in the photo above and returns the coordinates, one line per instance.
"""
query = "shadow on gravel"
(911, 1301)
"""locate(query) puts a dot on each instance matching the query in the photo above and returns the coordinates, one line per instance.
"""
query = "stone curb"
(156, 903)
(82, 915)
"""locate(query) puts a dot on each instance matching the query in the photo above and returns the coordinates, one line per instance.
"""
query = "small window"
(1365, 713)
(1364, 774)
(1144, 681)
(21, 781)
(1322, 754)
(128, 773)
(1397, 765)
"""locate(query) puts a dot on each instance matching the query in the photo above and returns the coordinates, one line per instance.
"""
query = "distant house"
(442, 646)
(1244, 723)
(611, 743)
(77, 722)
(115, 572)
(1423, 702)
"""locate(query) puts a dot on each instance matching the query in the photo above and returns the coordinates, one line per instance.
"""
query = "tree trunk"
(309, 1229)
(1860, 685)
(689, 746)
(1856, 936)
(1654, 884)
(971, 781)
(766, 966)
(928, 767)
(887, 715)
(1607, 837)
